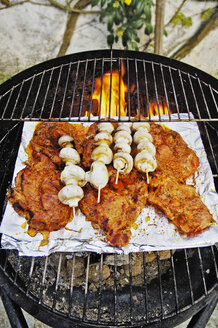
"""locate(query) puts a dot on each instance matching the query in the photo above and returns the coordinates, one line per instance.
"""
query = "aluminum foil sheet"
(151, 230)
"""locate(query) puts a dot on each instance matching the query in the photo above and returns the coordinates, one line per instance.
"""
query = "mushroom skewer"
(101, 155)
(123, 161)
(73, 176)
(145, 160)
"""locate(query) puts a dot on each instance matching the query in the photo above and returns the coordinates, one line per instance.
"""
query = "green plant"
(3, 78)
(124, 19)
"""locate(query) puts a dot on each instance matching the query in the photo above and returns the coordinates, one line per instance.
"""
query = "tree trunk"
(70, 26)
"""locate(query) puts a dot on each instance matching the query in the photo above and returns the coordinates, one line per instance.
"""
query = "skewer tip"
(99, 193)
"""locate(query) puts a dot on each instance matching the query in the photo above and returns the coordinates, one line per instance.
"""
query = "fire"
(160, 109)
(110, 94)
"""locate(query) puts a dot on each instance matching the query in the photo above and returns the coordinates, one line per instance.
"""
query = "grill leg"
(200, 319)
(14, 312)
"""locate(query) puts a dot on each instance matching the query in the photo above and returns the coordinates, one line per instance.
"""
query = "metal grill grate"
(169, 290)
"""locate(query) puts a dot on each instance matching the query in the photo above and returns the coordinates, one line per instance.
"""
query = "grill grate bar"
(160, 285)
(174, 281)
(6, 106)
(30, 274)
(72, 277)
(55, 93)
(145, 288)
(194, 96)
(130, 287)
(214, 260)
(100, 102)
(202, 272)
(189, 276)
(86, 288)
(165, 92)
(74, 89)
(115, 288)
(137, 88)
(212, 94)
(100, 289)
(156, 92)
(46, 93)
(174, 93)
(211, 147)
(111, 81)
(57, 283)
(65, 90)
(18, 96)
(184, 94)
(128, 94)
(83, 90)
(13, 151)
(119, 70)
(146, 89)
(42, 286)
(92, 89)
(37, 95)
(205, 102)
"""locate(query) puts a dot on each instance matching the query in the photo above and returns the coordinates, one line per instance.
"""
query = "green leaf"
(165, 32)
(103, 2)
(138, 24)
(178, 18)
(206, 14)
(110, 39)
(147, 12)
(3, 78)
(118, 18)
(148, 29)
(110, 23)
(139, 7)
(94, 2)
(187, 22)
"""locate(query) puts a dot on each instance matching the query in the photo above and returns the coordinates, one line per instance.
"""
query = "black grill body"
(171, 290)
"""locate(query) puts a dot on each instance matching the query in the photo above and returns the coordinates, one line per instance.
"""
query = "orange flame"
(158, 109)
(111, 99)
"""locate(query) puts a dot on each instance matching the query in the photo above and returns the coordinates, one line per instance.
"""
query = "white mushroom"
(69, 156)
(129, 124)
(142, 135)
(122, 147)
(141, 125)
(123, 127)
(145, 162)
(123, 136)
(65, 141)
(103, 137)
(123, 162)
(147, 145)
(98, 176)
(102, 153)
(105, 127)
(73, 175)
(70, 195)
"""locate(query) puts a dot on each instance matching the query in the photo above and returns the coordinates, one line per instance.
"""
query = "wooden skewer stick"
(147, 177)
(99, 192)
(117, 175)
(74, 212)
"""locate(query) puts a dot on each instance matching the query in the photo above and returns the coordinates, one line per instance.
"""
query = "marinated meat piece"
(45, 140)
(182, 205)
(119, 207)
(174, 157)
(35, 197)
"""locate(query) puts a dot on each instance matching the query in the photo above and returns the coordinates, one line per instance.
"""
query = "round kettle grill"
(172, 287)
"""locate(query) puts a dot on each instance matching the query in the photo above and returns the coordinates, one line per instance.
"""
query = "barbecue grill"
(170, 290)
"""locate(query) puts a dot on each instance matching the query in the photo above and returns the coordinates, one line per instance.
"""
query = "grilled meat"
(119, 207)
(35, 196)
(182, 205)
